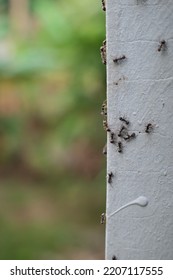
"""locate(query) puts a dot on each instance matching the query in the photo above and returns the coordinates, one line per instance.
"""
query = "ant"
(105, 126)
(124, 120)
(162, 45)
(103, 5)
(129, 137)
(120, 147)
(110, 176)
(103, 52)
(148, 128)
(121, 132)
(112, 138)
(119, 59)
(102, 218)
(104, 108)
(114, 257)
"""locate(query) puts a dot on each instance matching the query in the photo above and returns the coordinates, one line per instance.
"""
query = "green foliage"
(53, 130)
(65, 46)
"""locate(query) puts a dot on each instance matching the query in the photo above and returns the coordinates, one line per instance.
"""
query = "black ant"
(121, 132)
(148, 128)
(112, 138)
(103, 5)
(104, 108)
(129, 137)
(162, 45)
(120, 147)
(102, 218)
(124, 120)
(103, 52)
(105, 126)
(114, 257)
(119, 59)
(110, 176)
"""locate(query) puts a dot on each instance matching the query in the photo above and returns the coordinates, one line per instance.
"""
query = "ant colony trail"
(138, 119)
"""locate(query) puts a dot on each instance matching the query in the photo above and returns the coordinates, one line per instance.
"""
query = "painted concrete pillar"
(140, 129)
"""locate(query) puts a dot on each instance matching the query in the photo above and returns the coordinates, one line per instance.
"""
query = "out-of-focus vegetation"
(52, 171)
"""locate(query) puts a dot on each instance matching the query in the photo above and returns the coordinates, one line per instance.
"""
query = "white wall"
(141, 89)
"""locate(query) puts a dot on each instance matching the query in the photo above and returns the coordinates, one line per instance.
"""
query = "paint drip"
(140, 201)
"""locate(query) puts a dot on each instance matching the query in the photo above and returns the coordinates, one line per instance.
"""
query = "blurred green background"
(52, 170)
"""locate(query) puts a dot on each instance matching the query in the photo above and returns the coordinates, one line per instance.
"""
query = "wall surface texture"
(140, 145)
